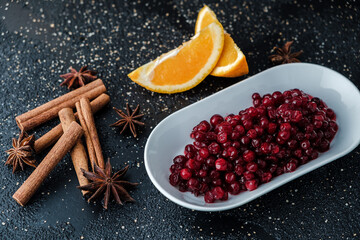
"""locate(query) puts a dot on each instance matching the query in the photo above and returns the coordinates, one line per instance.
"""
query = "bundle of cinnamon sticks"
(66, 136)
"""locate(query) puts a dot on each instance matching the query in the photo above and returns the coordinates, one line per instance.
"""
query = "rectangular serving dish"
(171, 135)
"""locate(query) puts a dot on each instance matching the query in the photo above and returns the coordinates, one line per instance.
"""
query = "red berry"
(234, 188)
(248, 175)
(185, 174)
(222, 137)
(252, 167)
(192, 164)
(193, 184)
(221, 164)
(204, 153)
(251, 185)
(255, 96)
(265, 148)
(180, 159)
(266, 177)
(305, 144)
(216, 119)
(209, 198)
(218, 193)
(174, 179)
(251, 133)
(214, 148)
(249, 156)
(224, 127)
(240, 129)
(204, 126)
(285, 127)
(271, 128)
(230, 177)
(239, 169)
(284, 135)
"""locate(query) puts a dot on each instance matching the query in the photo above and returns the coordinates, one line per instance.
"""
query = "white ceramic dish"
(171, 135)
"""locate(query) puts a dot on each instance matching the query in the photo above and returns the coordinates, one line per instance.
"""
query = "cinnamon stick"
(78, 153)
(90, 123)
(89, 143)
(32, 184)
(50, 138)
(49, 110)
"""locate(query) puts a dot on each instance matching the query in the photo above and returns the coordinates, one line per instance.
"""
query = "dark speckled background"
(39, 40)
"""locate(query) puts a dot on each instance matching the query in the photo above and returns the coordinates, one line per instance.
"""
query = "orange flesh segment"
(228, 54)
(206, 21)
(174, 71)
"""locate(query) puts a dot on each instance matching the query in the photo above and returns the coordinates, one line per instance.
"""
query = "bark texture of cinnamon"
(92, 139)
(77, 153)
(50, 138)
(33, 182)
(49, 110)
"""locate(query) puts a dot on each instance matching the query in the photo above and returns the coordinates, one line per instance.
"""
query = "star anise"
(102, 181)
(283, 55)
(128, 120)
(22, 152)
(75, 79)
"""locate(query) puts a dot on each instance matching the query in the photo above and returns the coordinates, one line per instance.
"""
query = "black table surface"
(41, 39)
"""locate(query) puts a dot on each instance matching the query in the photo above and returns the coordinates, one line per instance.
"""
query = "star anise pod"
(283, 55)
(103, 182)
(22, 152)
(75, 79)
(128, 120)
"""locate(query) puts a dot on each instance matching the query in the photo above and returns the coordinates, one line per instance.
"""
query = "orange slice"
(184, 67)
(232, 62)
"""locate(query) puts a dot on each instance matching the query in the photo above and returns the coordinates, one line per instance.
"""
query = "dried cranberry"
(193, 184)
(174, 179)
(239, 170)
(247, 124)
(180, 159)
(204, 126)
(175, 168)
(214, 174)
(214, 148)
(218, 193)
(284, 135)
(245, 140)
(266, 177)
(240, 129)
(264, 122)
(305, 144)
(185, 174)
(204, 153)
(252, 167)
(234, 188)
(230, 177)
(290, 167)
(192, 164)
(221, 164)
(271, 128)
(248, 175)
(216, 119)
(255, 96)
(265, 148)
(249, 156)
(224, 127)
(251, 185)
(209, 198)
(222, 137)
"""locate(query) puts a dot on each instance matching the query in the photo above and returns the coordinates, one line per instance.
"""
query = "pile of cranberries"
(278, 134)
